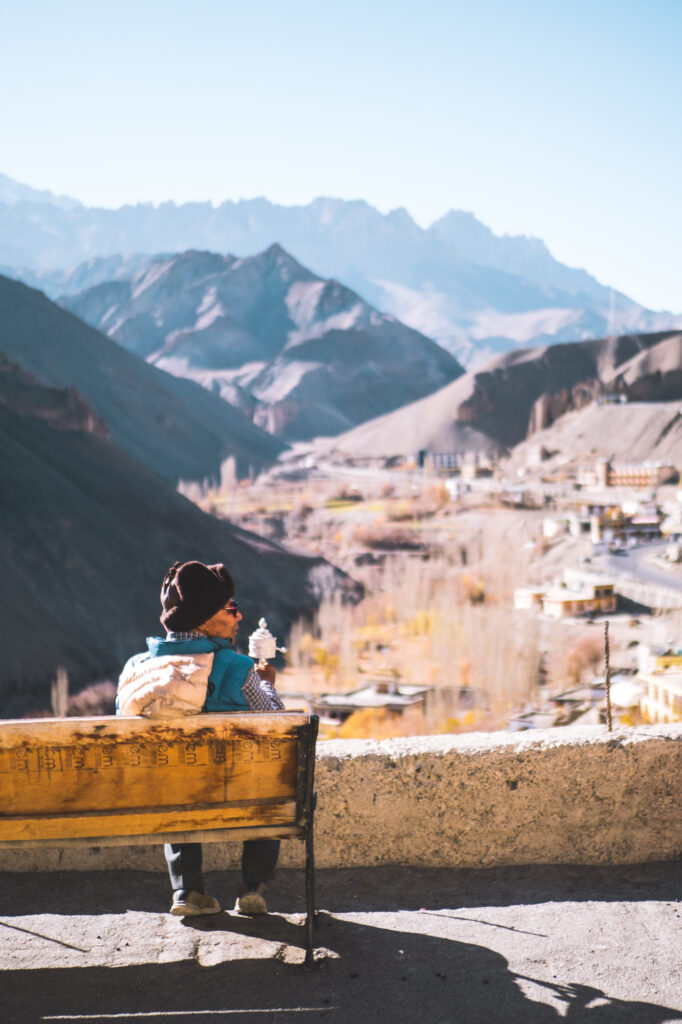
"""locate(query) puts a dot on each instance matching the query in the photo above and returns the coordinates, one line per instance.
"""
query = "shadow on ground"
(380, 976)
(351, 889)
(369, 973)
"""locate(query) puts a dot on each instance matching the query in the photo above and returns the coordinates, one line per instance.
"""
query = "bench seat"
(114, 781)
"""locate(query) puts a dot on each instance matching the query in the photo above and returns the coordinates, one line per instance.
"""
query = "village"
(593, 542)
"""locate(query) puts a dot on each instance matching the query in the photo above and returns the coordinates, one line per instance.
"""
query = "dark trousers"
(259, 859)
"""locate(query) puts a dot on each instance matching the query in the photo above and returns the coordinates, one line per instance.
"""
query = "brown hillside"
(87, 534)
(493, 408)
(63, 410)
(635, 432)
(173, 426)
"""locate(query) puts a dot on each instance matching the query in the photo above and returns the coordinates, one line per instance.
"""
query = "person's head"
(199, 598)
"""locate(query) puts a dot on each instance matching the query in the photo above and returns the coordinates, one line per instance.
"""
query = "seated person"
(201, 619)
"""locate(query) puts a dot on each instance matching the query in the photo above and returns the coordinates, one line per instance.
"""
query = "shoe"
(252, 901)
(194, 904)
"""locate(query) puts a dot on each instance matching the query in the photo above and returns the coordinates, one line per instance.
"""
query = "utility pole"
(609, 721)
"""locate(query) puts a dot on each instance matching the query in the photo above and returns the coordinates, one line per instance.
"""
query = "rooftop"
(567, 594)
(400, 694)
(531, 945)
(595, 691)
(668, 678)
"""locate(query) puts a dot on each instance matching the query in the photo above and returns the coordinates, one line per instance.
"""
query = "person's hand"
(267, 672)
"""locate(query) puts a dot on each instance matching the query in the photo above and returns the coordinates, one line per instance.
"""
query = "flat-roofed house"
(662, 697)
(394, 696)
(591, 598)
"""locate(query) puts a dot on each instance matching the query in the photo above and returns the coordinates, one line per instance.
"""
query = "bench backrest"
(114, 781)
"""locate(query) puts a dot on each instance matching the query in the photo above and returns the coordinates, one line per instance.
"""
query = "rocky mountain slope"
(62, 409)
(634, 432)
(495, 407)
(300, 355)
(87, 535)
(474, 292)
(171, 425)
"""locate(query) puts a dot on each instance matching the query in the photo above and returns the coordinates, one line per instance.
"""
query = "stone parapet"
(577, 795)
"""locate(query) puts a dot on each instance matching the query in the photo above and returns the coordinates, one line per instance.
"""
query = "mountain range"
(456, 281)
(97, 433)
(299, 355)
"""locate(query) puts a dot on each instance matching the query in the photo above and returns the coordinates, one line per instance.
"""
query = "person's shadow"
(367, 972)
(364, 974)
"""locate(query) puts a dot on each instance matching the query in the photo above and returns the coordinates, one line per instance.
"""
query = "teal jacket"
(228, 674)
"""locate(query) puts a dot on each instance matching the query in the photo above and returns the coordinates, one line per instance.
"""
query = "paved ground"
(637, 564)
(533, 945)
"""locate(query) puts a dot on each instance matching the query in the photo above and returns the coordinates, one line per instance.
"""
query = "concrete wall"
(570, 795)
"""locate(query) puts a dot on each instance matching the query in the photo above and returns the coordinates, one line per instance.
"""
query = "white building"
(662, 696)
(552, 526)
(528, 597)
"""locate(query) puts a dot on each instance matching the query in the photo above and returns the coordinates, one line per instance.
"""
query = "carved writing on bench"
(149, 754)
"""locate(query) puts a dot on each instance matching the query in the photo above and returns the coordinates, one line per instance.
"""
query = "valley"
(439, 613)
(424, 535)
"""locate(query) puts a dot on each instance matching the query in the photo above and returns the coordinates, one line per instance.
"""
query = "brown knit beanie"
(193, 592)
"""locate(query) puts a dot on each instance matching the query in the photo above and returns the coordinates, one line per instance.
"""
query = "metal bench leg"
(309, 888)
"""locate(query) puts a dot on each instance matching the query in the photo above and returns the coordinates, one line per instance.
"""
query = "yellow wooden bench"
(131, 781)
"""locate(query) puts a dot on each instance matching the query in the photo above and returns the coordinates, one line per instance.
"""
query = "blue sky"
(554, 119)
